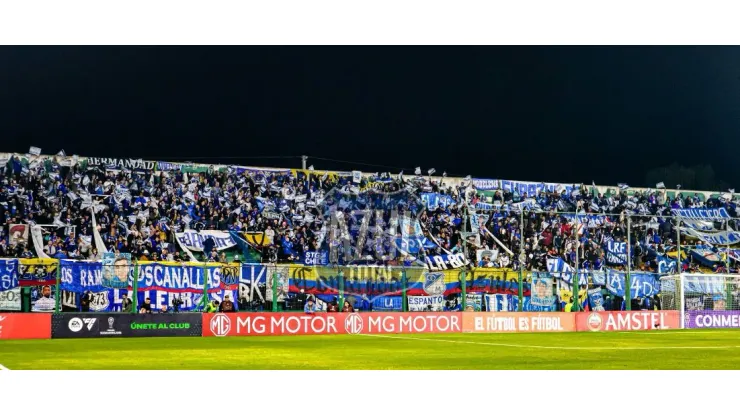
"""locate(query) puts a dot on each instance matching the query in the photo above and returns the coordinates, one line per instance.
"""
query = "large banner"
(701, 213)
(10, 291)
(500, 302)
(193, 240)
(162, 282)
(94, 325)
(434, 200)
(641, 284)
(627, 321)
(81, 278)
(721, 238)
(704, 284)
(518, 322)
(473, 302)
(241, 324)
(542, 297)
(17, 233)
(616, 252)
(25, 326)
(426, 303)
(529, 188)
(40, 275)
(117, 270)
(446, 262)
(712, 319)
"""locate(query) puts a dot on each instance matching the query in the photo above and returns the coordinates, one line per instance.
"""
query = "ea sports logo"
(353, 324)
(220, 325)
(75, 324)
(594, 322)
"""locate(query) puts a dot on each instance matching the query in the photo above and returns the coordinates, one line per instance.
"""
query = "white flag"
(660, 185)
(431, 171)
(417, 171)
(400, 176)
(34, 150)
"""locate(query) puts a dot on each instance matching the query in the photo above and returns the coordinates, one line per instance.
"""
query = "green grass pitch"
(705, 349)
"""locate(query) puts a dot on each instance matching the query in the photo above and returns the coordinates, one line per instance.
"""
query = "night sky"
(555, 114)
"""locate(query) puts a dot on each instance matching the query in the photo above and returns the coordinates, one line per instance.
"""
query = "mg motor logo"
(594, 322)
(353, 324)
(220, 325)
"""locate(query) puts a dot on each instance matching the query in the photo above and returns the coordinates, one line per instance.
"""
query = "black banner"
(106, 325)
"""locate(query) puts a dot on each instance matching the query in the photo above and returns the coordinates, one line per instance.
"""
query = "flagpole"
(628, 279)
(727, 248)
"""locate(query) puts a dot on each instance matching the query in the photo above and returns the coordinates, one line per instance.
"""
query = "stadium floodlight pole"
(404, 295)
(522, 258)
(463, 288)
(628, 277)
(575, 280)
(205, 283)
(340, 276)
(58, 292)
(135, 287)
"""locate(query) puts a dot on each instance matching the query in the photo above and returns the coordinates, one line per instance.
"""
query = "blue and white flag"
(193, 240)
(704, 284)
(434, 200)
(413, 245)
(665, 264)
(616, 252)
(316, 258)
(8, 274)
(701, 213)
(502, 303)
(699, 225)
(721, 238)
(641, 284)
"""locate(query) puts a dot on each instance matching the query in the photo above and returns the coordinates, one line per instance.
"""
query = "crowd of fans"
(139, 212)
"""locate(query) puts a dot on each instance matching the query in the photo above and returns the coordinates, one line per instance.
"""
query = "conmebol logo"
(220, 325)
(353, 324)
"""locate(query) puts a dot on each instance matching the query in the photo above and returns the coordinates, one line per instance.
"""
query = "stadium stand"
(282, 215)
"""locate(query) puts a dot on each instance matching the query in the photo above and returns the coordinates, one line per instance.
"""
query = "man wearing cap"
(227, 305)
(310, 307)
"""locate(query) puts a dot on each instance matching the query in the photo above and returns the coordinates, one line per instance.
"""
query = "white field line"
(548, 347)
(3, 368)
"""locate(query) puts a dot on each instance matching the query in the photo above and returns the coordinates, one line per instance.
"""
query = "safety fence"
(51, 285)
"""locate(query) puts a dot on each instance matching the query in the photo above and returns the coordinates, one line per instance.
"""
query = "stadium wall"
(108, 325)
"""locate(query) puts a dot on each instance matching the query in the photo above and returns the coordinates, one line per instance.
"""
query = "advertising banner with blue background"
(162, 282)
(701, 213)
